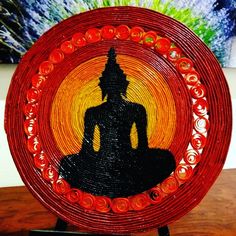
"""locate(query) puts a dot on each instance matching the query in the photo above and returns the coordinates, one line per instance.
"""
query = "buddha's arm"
(89, 125)
(141, 124)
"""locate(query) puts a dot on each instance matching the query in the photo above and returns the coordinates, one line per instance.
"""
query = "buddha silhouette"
(116, 169)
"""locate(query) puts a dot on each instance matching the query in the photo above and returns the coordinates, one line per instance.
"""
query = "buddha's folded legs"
(132, 174)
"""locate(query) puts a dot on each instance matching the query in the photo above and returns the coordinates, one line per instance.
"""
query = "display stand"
(61, 226)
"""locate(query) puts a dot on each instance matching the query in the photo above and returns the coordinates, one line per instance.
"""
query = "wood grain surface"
(215, 215)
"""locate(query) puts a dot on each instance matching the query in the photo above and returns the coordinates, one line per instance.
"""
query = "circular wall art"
(119, 120)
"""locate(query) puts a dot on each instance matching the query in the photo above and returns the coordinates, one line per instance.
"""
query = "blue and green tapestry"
(22, 22)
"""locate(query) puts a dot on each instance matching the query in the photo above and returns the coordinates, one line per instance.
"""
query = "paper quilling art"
(119, 120)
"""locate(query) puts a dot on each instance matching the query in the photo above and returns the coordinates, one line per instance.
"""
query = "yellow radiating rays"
(80, 91)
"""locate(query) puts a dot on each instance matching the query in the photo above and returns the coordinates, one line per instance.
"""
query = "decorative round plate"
(167, 73)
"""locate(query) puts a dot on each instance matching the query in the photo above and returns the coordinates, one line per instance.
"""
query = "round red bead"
(108, 32)
(50, 174)
(162, 45)
(198, 91)
(31, 127)
(93, 35)
(103, 204)
(149, 38)
(139, 201)
(174, 54)
(33, 144)
(60, 186)
(200, 107)
(38, 81)
(120, 205)
(192, 78)
(155, 195)
(67, 47)
(87, 201)
(74, 195)
(183, 172)
(201, 124)
(33, 95)
(192, 157)
(56, 56)
(184, 65)
(46, 67)
(31, 110)
(136, 34)
(122, 32)
(78, 40)
(41, 161)
(198, 141)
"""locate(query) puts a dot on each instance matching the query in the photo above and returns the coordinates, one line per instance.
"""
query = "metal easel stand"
(61, 226)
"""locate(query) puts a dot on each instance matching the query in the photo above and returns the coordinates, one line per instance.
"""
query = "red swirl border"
(165, 48)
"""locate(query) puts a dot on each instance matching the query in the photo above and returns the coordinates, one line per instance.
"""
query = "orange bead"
(139, 201)
(169, 185)
(183, 172)
(120, 205)
(103, 204)
(87, 201)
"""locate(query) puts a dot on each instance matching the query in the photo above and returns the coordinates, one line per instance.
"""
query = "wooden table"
(215, 216)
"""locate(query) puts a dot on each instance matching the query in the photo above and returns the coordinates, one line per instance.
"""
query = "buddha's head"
(113, 80)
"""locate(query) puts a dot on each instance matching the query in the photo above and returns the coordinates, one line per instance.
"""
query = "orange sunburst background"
(80, 91)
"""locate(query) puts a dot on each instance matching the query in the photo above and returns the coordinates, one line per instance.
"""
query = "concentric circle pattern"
(171, 73)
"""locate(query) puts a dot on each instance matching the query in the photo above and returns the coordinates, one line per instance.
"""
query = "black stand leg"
(164, 231)
(61, 225)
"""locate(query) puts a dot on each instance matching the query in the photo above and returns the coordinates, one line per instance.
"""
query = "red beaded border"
(164, 47)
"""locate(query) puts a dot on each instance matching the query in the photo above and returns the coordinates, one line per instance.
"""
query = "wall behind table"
(8, 172)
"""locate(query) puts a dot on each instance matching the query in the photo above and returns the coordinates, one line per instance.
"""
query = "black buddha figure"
(116, 169)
